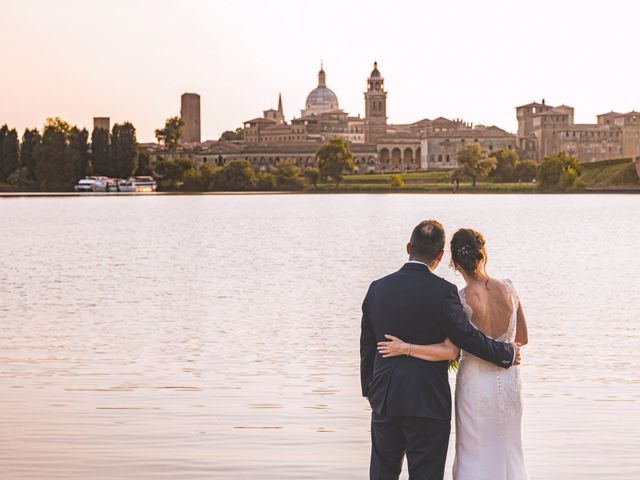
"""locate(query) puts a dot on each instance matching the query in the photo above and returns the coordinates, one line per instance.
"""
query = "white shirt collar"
(421, 263)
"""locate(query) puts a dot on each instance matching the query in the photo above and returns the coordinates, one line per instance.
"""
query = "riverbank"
(614, 176)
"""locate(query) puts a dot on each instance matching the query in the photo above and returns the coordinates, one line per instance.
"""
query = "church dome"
(322, 96)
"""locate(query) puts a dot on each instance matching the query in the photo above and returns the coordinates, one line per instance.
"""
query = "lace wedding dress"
(488, 406)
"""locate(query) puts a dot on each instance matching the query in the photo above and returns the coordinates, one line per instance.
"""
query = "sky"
(477, 60)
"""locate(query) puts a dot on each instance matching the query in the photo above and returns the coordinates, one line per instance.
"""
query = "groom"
(411, 398)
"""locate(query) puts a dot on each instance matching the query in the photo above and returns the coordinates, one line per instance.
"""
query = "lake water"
(201, 337)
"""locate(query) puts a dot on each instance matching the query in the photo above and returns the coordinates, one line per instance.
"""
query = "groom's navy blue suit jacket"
(420, 308)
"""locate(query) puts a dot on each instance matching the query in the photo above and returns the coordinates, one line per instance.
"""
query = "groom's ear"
(409, 248)
(439, 257)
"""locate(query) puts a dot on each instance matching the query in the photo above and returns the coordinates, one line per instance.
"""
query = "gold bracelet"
(409, 352)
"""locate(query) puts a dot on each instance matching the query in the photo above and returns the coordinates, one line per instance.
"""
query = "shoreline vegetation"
(54, 161)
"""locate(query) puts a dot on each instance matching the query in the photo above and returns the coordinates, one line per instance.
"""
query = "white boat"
(85, 184)
(143, 184)
(126, 186)
(106, 184)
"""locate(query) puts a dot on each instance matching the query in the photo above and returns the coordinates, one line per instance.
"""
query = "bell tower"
(375, 107)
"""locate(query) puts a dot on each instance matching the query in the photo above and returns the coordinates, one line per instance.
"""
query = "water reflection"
(217, 337)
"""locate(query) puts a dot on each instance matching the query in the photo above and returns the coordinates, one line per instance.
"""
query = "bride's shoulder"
(510, 287)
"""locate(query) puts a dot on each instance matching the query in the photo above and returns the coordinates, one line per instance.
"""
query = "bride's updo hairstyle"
(468, 251)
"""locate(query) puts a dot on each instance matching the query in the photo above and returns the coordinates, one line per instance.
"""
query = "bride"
(488, 401)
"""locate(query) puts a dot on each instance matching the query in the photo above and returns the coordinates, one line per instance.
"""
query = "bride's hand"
(393, 348)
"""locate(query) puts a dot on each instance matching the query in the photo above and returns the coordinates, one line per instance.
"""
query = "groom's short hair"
(427, 240)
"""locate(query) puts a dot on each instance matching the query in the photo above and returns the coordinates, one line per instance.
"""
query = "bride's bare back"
(491, 305)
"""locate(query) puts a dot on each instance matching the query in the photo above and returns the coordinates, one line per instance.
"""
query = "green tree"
(124, 150)
(101, 153)
(396, 181)
(171, 134)
(78, 153)
(144, 163)
(334, 158)
(206, 176)
(28, 149)
(229, 135)
(9, 152)
(193, 180)
(287, 175)
(174, 172)
(52, 169)
(568, 178)
(507, 160)
(553, 167)
(526, 171)
(235, 176)
(265, 182)
(312, 174)
(474, 162)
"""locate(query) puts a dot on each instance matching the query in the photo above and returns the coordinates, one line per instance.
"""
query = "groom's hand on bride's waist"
(517, 359)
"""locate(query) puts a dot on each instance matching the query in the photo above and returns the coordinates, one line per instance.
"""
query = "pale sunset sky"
(476, 60)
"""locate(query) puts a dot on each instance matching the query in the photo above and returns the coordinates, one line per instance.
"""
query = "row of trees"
(556, 172)
(501, 166)
(57, 158)
(334, 159)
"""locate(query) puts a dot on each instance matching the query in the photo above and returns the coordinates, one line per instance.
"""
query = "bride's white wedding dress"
(488, 406)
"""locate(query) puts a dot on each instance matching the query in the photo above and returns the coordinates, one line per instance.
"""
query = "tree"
(171, 134)
(144, 163)
(312, 174)
(101, 152)
(229, 135)
(396, 181)
(78, 153)
(287, 175)
(124, 150)
(526, 171)
(552, 169)
(334, 158)
(206, 176)
(28, 149)
(9, 152)
(507, 160)
(265, 182)
(474, 162)
(235, 176)
(174, 172)
(52, 169)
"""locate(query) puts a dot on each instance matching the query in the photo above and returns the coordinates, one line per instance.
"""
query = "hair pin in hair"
(464, 250)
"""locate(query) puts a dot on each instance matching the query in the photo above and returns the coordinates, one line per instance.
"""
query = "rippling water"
(217, 336)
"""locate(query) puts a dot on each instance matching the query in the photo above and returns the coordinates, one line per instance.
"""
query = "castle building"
(190, 114)
(544, 130)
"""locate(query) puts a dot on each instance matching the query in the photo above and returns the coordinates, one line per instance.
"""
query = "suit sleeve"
(368, 349)
(458, 328)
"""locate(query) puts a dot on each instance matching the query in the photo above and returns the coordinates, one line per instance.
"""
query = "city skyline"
(442, 61)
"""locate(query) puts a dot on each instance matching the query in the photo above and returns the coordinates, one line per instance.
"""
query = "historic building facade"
(428, 144)
(377, 145)
(544, 130)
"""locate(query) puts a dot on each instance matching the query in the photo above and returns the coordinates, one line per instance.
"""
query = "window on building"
(439, 158)
(448, 158)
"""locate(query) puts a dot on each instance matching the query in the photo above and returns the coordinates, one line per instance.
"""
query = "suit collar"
(418, 267)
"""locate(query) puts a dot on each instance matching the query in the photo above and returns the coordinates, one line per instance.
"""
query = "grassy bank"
(613, 173)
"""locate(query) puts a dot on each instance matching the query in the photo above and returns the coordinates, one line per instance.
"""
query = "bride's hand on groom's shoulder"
(393, 348)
